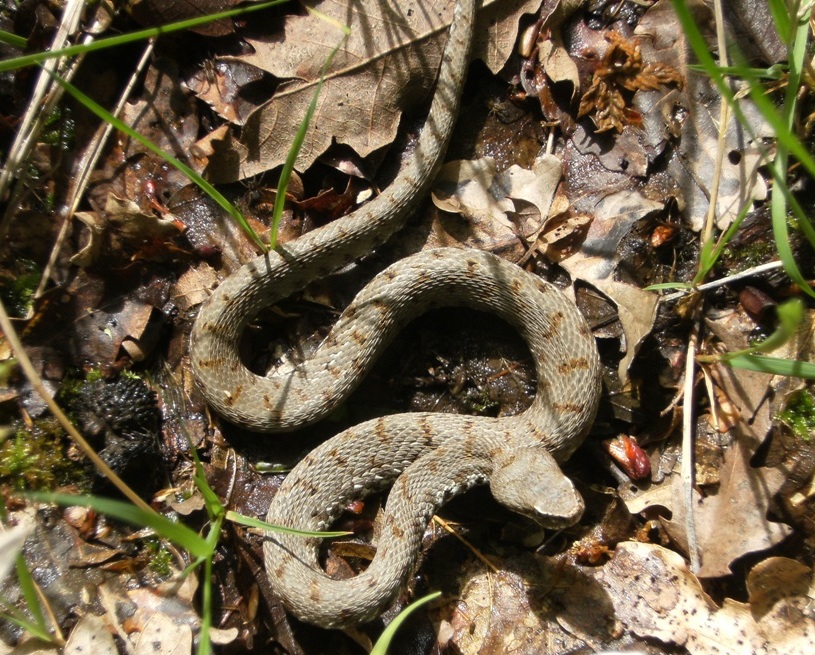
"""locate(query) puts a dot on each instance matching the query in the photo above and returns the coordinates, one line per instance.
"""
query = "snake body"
(431, 457)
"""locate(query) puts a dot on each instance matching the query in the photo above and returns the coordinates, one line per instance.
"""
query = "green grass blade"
(204, 643)
(13, 40)
(778, 214)
(384, 641)
(786, 141)
(763, 103)
(203, 184)
(710, 253)
(198, 561)
(782, 133)
(18, 618)
(773, 365)
(774, 72)
(213, 504)
(179, 534)
(796, 45)
(662, 286)
(294, 150)
(271, 527)
(780, 12)
(141, 35)
(29, 590)
(790, 316)
(804, 224)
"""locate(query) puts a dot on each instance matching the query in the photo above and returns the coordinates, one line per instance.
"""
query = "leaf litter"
(612, 205)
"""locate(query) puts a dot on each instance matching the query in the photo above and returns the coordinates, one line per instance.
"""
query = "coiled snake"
(431, 457)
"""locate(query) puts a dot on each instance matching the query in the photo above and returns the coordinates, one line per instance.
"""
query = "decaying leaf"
(469, 188)
(559, 235)
(194, 286)
(165, 113)
(504, 613)
(158, 620)
(219, 84)
(683, 114)
(774, 579)
(643, 592)
(160, 12)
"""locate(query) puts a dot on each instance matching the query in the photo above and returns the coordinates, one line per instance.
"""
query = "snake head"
(529, 481)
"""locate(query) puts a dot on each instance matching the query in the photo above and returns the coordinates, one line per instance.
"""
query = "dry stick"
(449, 528)
(724, 119)
(46, 606)
(43, 100)
(78, 439)
(687, 469)
(86, 164)
(747, 272)
(688, 461)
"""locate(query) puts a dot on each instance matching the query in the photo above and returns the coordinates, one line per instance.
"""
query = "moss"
(799, 415)
(36, 458)
(748, 255)
(17, 290)
(72, 385)
(60, 129)
(94, 375)
(161, 559)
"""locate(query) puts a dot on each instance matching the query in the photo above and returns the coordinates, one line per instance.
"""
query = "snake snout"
(529, 481)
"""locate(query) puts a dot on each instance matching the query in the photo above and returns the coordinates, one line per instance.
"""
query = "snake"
(425, 458)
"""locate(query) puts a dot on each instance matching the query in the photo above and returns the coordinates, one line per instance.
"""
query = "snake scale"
(427, 457)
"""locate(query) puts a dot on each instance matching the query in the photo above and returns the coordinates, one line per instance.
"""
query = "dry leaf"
(559, 236)
(628, 153)
(753, 24)
(535, 188)
(657, 597)
(555, 60)
(388, 64)
(503, 613)
(11, 543)
(476, 190)
(161, 635)
(123, 232)
(164, 615)
(730, 522)
(167, 115)
(614, 216)
(774, 579)
(219, 84)
(90, 635)
(693, 165)
(161, 12)
(194, 286)
(469, 188)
